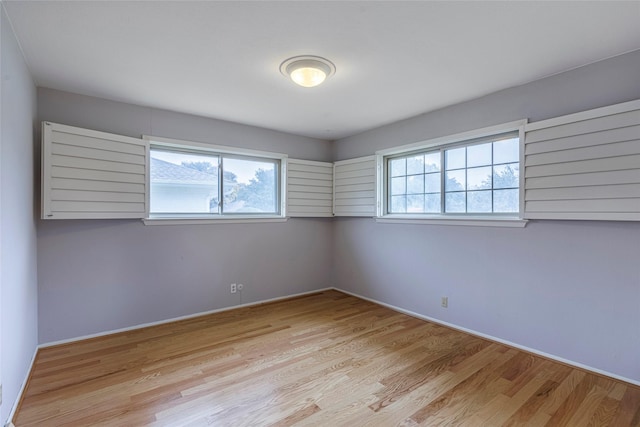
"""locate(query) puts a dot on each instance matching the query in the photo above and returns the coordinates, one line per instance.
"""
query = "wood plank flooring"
(318, 360)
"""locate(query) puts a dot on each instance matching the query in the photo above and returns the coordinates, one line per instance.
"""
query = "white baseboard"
(496, 339)
(176, 319)
(23, 387)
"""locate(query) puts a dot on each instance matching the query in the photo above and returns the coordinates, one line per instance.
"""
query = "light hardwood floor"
(323, 359)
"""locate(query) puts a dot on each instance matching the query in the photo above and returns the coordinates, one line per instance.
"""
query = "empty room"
(318, 213)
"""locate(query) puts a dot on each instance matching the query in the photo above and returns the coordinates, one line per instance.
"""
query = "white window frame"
(492, 220)
(170, 144)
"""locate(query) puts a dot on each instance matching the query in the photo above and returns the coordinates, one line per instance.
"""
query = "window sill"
(221, 220)
(477, 221)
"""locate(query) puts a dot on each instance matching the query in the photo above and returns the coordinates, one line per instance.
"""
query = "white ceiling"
(394, 59)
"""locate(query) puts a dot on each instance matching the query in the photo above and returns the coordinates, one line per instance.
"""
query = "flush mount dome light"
(307, 71)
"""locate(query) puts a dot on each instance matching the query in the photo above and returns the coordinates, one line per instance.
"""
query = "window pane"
(506, 151)
(415, 204)
(249, 186)
(505, 200)
(455, 159)
(415, 184)
(454, 202)
(432, 183)
(415, 164)
(479, 201)
(398, 185)
(455, 180)
(479, 155)
(432, 203)
(398, 167)
(398, 204)
(506, 176)
(475, 178)
(432, 162)
(479, 178)
(183, 183)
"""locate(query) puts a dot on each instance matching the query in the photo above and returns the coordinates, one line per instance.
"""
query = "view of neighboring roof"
(169, 173)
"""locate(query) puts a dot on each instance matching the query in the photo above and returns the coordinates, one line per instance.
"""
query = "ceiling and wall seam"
(22, 52)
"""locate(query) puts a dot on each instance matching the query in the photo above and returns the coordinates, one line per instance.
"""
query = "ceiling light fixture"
(307, 71)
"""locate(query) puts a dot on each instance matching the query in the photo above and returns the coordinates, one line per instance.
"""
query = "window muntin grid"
(473, 177)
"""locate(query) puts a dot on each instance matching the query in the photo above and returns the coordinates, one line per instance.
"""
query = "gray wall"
(597, 85)
(567, 288)
(134, 120)
(18, 286)
(99, 275)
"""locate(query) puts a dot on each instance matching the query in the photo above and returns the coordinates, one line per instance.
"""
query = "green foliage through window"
(478, 178)
(189, 183)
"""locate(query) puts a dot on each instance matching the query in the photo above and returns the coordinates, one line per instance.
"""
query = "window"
(193, 182)
(470, 177)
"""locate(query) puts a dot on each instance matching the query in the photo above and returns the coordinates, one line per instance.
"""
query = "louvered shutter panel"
(355, 187)
(90, 174)
(309, 188)
(585, 165)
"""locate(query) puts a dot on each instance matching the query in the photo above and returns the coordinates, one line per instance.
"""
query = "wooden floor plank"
(321, 359)
(628, 412)
(455, 405)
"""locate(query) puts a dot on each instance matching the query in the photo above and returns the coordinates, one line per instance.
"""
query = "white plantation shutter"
(309, 188)
(354, 183)
(90, 174)
(585, 165)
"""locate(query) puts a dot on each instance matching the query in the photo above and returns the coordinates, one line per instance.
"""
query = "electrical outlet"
(234, 288)
(240, 287)
(444, 302)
